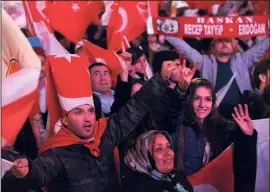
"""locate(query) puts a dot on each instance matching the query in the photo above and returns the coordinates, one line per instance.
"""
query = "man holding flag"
(79, 157)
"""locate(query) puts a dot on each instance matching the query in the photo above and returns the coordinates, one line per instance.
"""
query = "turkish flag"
(37, 23)
(215, 176)
(128, 19)
(20, 74)
(98, 54)
(71, 18)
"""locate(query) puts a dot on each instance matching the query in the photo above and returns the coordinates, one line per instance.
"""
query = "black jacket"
(138, 182)
(73, 168)
(165, 108)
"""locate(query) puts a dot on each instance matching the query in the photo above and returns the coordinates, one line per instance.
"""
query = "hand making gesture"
(187, 74)
(243, 120)
(125, 60)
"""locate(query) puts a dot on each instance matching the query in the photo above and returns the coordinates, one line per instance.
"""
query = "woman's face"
(202, 102)
(140, 65)
(162, 153)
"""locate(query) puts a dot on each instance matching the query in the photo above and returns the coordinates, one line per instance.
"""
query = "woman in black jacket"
(152, 160)
(203, 134)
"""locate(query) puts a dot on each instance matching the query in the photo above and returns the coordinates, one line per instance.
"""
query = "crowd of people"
(148, 133)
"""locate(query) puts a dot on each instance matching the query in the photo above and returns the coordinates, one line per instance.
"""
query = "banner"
(213, 27)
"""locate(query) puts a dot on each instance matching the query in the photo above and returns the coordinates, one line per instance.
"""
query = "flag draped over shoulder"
(20, 74)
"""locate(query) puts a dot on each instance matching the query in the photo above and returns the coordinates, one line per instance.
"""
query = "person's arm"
(255, 52)
(186, 50)
(124, 81)
(245, 151)
(245, 161)
(32, 174)
(122, 94)
(130, 115)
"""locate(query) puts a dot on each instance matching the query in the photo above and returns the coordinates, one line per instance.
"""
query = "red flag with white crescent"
(37, 23)
(74, 18)
(128, 19)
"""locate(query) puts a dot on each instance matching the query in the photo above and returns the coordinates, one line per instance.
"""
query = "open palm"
(243, 120)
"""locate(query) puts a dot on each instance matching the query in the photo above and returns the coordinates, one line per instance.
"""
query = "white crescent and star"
(75, 7)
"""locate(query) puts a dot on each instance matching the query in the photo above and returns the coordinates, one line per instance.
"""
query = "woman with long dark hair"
(202, 134)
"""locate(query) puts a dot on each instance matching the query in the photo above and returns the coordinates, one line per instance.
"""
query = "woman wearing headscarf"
(152, 162)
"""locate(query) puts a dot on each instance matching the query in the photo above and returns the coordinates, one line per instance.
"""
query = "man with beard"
(222, 63)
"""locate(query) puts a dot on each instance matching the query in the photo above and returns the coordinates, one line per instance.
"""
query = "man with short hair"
(223, 62)
(79, 157)
(101, 84)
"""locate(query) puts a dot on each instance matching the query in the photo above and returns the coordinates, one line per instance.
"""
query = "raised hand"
(186, 74)
(125, 60)
(243, 120)
(20, 168)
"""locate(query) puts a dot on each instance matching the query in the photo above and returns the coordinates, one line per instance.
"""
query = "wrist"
(124, 76)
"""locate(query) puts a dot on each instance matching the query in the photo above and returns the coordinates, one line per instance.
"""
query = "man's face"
(101, 79)
(223, 47)
(175, 76)
(140, 65)
(81, 121)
